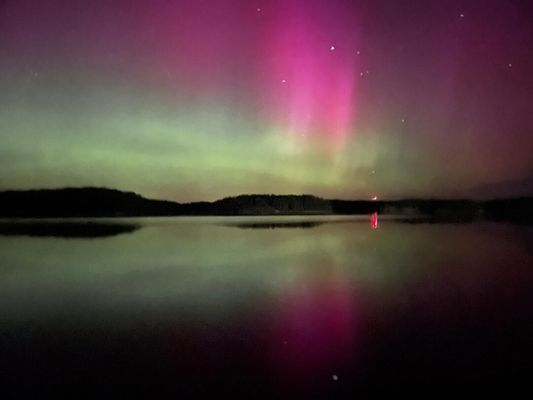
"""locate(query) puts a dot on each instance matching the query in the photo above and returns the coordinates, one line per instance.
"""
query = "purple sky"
(200, 99)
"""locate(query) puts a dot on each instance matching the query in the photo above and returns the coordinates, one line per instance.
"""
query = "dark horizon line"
(105, 202)
(399, 199)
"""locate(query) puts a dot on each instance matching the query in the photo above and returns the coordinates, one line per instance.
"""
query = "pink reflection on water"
(316, 330)
(374, 221)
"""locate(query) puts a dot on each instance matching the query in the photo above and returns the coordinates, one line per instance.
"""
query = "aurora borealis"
(197, 100)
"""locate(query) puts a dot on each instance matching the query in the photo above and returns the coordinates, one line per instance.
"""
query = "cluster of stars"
(332, 48)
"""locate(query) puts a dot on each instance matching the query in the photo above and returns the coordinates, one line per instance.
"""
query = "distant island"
(103, 202)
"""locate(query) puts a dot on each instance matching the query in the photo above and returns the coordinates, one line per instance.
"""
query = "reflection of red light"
(374, 220)
(316, 327)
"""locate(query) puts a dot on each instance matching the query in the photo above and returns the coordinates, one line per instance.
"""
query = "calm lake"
(263, 306)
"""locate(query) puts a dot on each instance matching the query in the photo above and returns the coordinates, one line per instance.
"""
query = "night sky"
(197, 100)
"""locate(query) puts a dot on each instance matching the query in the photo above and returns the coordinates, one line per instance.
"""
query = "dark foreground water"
(259, 307)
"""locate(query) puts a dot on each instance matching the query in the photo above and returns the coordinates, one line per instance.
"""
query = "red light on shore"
(374, 198)
(374, 221)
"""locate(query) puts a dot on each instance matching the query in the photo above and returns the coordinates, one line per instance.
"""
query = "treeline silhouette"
(103, 202)
(65, 229)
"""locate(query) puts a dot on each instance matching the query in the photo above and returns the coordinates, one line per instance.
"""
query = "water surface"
(263, 306)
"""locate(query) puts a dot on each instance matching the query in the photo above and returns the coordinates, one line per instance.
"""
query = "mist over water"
(265, 306)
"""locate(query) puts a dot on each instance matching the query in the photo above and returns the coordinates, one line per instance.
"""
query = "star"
(284, 81)
(332, 47)
(334, 377)
(361, 73)
(461, 15)
(358, 52)
(403, 120)
(510, 65)
(373, 171)
(258, 9)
